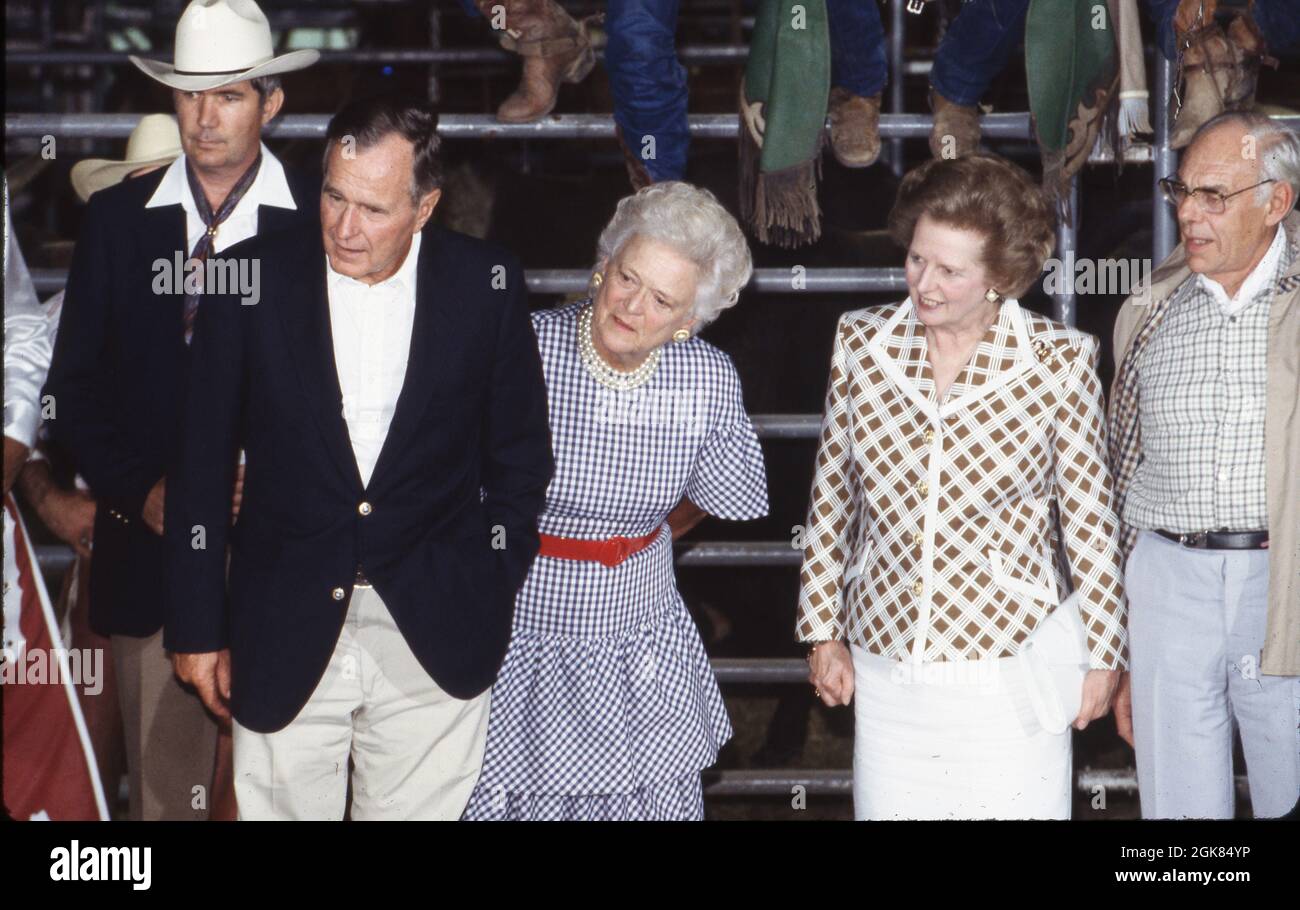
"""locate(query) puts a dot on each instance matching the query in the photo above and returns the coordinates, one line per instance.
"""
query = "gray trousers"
(1196, 629)
(171, 739)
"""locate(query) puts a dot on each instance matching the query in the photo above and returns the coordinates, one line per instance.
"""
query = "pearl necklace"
(602, 372)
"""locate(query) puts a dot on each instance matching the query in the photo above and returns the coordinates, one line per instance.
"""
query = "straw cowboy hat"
(221, 42)
(156, 140)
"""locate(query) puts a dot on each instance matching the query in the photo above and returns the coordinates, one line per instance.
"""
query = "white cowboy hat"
(156, 140)
(220, 42)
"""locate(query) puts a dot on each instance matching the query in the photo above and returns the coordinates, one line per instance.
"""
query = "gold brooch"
(1044, 351)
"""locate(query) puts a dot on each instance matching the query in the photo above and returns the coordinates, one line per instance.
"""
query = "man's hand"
(15, 457)
(209, 673)
(70, 514)
(1098, 688)
(152, 513)
(830, 670)
(1124, 708)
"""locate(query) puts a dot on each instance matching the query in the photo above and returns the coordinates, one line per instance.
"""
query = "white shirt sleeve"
(28, 343)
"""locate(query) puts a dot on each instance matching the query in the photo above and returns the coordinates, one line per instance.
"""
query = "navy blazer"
(118, 376)
(446, 528)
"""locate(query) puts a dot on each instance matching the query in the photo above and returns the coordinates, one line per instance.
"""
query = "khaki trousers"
(417, 751)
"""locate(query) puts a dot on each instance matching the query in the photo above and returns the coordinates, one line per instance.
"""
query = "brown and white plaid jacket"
(931, 533)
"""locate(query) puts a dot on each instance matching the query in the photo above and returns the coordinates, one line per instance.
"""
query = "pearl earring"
(992, 296)
(681, 335)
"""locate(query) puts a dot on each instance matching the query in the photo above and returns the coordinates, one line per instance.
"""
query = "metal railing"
(580, 126)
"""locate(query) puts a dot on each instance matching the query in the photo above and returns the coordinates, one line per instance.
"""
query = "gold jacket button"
(338, 593)
(928, 436)
(917, 588)
(917, 537)
(923, 488)
(365, 508)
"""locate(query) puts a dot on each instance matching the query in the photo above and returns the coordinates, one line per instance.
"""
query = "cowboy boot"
(855, 128)
(554, 46)
(956, 130)
(1219, 73)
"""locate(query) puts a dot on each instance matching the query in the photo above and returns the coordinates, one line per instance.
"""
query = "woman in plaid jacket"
(958, 428)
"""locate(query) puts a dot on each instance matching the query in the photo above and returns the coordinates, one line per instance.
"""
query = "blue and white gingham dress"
(606, 706)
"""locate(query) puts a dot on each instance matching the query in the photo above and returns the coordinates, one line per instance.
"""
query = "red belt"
(608, 553)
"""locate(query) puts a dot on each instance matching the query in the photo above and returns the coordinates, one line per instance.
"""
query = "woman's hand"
(684, 517)
(830, 670)
(1098, 689)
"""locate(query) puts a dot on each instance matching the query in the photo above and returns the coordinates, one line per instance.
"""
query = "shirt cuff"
(21, 422)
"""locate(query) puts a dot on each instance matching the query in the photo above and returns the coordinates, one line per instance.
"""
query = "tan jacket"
(1281, 439)
(931, 530)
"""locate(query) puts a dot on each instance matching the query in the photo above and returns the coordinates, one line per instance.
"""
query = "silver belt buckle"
(915, 6)
(1196, 540)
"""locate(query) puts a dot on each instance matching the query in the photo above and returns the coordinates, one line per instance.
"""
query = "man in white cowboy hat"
(122, 357)
(155, 142)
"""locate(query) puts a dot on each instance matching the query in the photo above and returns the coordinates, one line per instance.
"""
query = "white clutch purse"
(1054, 661)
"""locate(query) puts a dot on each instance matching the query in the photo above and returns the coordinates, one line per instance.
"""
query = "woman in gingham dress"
(606, 706)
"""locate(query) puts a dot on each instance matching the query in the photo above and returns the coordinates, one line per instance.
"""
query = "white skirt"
(952, 740)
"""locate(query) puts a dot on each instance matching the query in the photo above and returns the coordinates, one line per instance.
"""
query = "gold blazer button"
(917, 588)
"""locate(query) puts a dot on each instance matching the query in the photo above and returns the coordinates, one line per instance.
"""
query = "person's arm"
(685, 517)
(831, 511)
(80, 375)
(198, 502)
(517, 460)
(27, 356)
(1090, 530)
(69, 514)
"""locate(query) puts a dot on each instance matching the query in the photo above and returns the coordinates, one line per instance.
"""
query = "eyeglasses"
(1211, 201)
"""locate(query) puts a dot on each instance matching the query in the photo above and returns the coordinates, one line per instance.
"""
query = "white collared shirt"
(269, 187)
(371, 325)
(1254, 283)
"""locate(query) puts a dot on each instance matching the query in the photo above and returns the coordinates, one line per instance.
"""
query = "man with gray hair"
(392, 404)
(1205, 449)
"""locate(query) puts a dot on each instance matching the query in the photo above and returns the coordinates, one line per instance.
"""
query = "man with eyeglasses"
(1205, 451)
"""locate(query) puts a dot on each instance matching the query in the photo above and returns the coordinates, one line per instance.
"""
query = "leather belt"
(1219, 540)
(361, 581)
(608, 553)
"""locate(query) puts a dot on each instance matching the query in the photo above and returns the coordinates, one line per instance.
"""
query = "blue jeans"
(1279, 20)
(976, 47)
(858, 61)
(648, 84)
